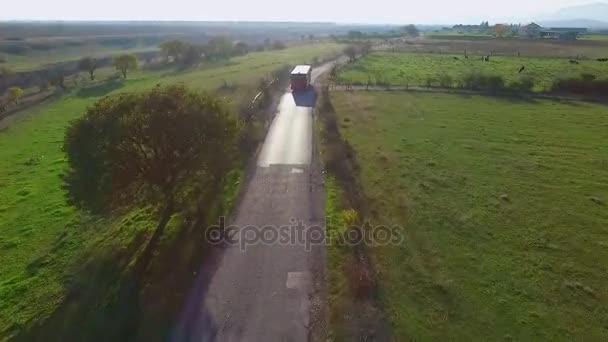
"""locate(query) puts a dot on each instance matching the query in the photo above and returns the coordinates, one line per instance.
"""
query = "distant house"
(563, 33)
(530, 31)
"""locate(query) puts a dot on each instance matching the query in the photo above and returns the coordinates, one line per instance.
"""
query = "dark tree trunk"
(143, 261)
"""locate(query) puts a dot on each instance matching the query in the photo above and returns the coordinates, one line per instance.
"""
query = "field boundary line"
(509, 94)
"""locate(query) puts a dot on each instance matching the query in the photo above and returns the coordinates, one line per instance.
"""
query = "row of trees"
(406, 30)
(499, 30)
(484, 27)
(218, 48)
(586, 84)
(122, 63)
(56, 77)
(472, 80)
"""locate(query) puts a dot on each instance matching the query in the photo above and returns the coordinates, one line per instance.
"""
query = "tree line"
(176, 51)
(216, 49)
(409, 30)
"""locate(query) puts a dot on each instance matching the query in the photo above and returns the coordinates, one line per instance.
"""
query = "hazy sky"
(374, 11)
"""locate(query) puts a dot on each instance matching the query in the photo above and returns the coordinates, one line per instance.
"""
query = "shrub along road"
(264, 292)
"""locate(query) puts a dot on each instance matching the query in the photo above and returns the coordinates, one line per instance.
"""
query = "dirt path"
(264, 292)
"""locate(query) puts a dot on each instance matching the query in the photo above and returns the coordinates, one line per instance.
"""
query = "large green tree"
(240, 49)
(165, 148)
(174, 48)
(88, 64)
(410, 30)
(351, 51)
(219, 48)
(125, 63)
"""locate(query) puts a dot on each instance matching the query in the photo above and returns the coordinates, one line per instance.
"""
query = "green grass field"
(37, 59)
(457, 35)
(597, 37)
(414, 69)
(43, 241)
(503, 205)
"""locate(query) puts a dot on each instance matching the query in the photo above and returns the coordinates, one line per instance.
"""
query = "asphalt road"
(264, 292)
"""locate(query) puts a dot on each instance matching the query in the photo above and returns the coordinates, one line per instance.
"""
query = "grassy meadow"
(459, 35)
(49, 248)
(503, 206)
(32, 60)
(603, 37)
(414, 69)
(485, 45)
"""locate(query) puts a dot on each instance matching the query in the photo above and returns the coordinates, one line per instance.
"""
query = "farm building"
(563, 33)
(530, 31)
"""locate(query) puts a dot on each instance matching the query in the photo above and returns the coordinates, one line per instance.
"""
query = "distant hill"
(588, 23)
(597, 11)
(594, 16)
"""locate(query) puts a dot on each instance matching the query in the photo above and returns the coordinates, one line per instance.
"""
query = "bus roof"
(301, 70)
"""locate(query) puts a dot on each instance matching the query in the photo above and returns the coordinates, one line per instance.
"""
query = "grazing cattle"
(456, 58)
(602, 59)
(572, 61)
(522, 69)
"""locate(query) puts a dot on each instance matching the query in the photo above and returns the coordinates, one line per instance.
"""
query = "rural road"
(264, 292)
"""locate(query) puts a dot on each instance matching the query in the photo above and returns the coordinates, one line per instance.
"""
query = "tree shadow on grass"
(100, 302)
(571, 103)
(107, 301)
(510, 97)
(100, 89)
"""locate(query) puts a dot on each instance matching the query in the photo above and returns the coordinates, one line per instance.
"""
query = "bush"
(278, 45)
(381, 81)
(494, 82)
(478, 81)
(3, 106)
(445, 81)
(43, 85)
(350, 217)
(14, 94)
(585, 85)
(588, 77)
(524, 83)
